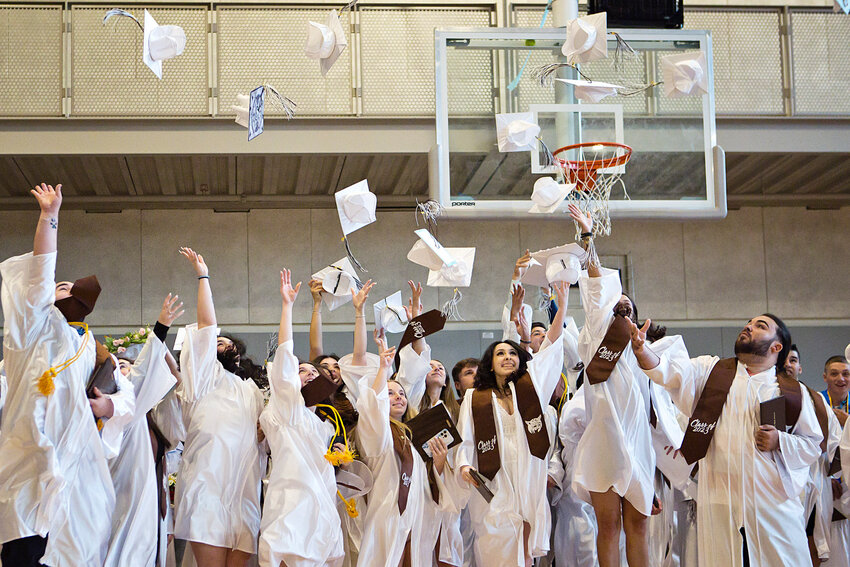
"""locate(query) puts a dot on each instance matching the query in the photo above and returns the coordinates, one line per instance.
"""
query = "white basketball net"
(593, 188)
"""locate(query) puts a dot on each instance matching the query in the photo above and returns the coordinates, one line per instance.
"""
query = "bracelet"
(524, 342)
(360, 316)
(586, 235)
(203, 277)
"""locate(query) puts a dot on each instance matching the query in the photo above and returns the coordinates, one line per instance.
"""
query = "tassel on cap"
(122, 13)
(430, 211)
(354, 260)
(623, 52)
(451, 309)
(279, 101)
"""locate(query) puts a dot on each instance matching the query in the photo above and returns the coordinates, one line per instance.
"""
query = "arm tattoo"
(54, 222)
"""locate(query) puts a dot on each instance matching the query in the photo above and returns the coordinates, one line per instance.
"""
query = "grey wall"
(708, 276)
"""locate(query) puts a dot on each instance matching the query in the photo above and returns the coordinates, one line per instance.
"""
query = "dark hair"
(316, 361)
(783, 335)
(458, 368)
(538, 324)
(832, 359)
(247, 369)
(448, 396)
(655, 332)
(485, 378)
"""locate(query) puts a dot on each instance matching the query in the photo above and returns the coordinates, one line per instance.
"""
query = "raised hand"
(287, 292)
(359, 298)
(582, 219)
(170, 311)
(387, 356)
(196, 260)
(414, 305)
(380, 339)
(49, 199)
(517, 297)
(562, 290)
(523, 328)
(316, 290)
(522, 264)
(638, 335)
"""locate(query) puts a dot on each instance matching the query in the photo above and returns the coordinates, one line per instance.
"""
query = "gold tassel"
(350, 505)
(46, 386)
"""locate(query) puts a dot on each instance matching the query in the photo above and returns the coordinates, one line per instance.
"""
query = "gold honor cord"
(46, 386)
(337, 458)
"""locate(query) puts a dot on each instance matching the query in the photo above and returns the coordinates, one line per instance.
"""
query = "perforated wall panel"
(747, 60)
(819, 41)
(266, 45)
(30, 61)
(398, 63)
(110, 78)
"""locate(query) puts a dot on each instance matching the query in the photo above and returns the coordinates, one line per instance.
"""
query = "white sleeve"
(569, 338)
(285, 385)
(373, 427)
(150, 376)
(27, 294)
(799, 449)
(124, 403)
(168, 415)
(412, 369)
(844, 449)
(571, 426)
(683, 377)
(509, 332)
(598, 297)
(466, 455)
(351, 374)
(545, 370)
(198, 363)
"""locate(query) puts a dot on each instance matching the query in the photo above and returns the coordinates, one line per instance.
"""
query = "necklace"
(842, 405)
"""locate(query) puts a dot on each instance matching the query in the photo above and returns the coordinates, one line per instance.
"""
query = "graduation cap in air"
(251, 109)
(160, 43)
(561, 263)
(390, 314)
(586, 39)
(548, 194)
(326, 42)
(338, 280)
(516, 132)
(684, 74)
(591, 91)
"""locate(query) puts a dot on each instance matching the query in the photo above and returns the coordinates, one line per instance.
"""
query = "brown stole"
(405, 477)
(484, 419)
(703, 421)
(820, 413)
(616, 339)
(159, 444)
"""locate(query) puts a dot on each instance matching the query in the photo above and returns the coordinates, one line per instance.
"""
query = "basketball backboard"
(676, 168)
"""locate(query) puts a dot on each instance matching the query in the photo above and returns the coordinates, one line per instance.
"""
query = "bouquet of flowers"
(120, 344)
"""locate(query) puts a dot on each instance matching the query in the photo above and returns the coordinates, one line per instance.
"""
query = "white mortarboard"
(561, 263)
(591, 91)
(684, 74)
(326, 42)
(338, 280)
(535, 274)
(354, 480)
(355, 206)
(548, 194)
(430, 253)
(847, 352)
(459, 274)
(250, 111)
(516, 132)
(586, 38)
(390, 314)
(242, 109)
(161, 43)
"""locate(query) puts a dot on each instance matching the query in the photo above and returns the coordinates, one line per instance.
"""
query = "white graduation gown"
(575, 528)
(817, 495)
(300, 524)
(2, 393)
(738, 485)
(519, 486)
(217, 500)
(53, 473)
(386, 531)
(136, 520)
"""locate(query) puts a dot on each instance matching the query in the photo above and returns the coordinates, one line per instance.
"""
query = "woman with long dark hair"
(506, 445)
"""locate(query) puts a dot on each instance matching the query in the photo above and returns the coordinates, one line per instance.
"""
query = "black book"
(102, 378)
(481, 485)
(772, 412)
(431, 423)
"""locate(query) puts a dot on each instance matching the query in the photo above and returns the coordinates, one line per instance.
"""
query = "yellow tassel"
(99, 424)
(45, 382)
(350, 505)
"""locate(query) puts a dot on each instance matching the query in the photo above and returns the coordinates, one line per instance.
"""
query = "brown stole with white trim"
(703, 421)
(405, 477)
(486, 440)
(608, 352)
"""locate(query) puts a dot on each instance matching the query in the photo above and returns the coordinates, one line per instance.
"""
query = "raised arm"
(379, 384)
(556, 328)
(49, 201)
(358, 299)
(206, 309)
(584, 222)
(316, 345)
(646, 359)
(287, 296)
(414, 309)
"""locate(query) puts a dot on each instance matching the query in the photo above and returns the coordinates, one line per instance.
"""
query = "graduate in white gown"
(56, 495)
(397, 529)
(519, 481)
(837, 370)
(217, 500)
(137, 538)
(751, 476)
(300, 525)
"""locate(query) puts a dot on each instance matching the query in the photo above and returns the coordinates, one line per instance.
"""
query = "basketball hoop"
(595, 170)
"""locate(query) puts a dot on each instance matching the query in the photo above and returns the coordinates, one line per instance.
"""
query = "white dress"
(738, 485)
(217, 500)
(519, 486)
(300, 525)
(386, 531)
(53, 473)
(817, 495)
(136, 520)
